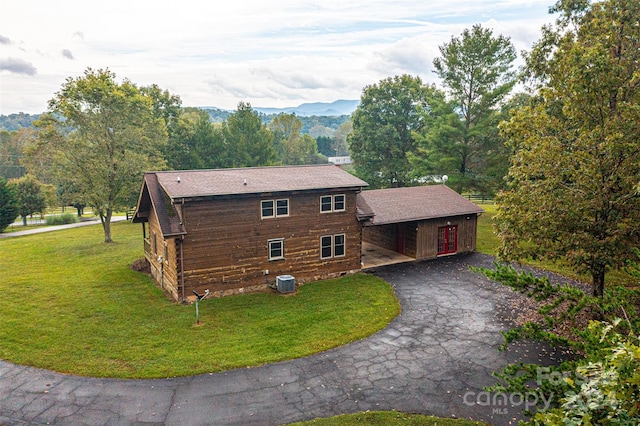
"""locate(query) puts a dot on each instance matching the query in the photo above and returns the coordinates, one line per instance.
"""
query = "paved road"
(434, 358)
(57, 227)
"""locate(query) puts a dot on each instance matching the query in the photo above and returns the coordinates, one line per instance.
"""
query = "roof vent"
(178, 179)
(245, 182)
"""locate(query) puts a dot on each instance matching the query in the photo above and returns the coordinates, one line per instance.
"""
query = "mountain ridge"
(308, 109)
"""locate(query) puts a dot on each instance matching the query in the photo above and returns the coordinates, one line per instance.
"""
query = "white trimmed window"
(332, 203)
(274, 208)
(276, 249)
(332, 246)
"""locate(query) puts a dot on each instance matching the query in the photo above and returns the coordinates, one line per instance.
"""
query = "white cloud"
(276, 53)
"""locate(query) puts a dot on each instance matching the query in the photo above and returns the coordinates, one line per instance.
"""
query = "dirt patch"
(141, 265)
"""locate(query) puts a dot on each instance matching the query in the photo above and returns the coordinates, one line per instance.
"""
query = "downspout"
(182, 267)
(182, 254)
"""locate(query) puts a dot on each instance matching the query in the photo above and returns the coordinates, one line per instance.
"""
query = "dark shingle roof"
(168, 218)
(203, 183)
(397, 205)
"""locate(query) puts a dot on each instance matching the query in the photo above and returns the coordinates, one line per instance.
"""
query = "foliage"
(104, 135)
(17, 121)
(11, 152)
(577, 145)
(387, 418)
(248, 142)
(463, 141)
(195, 143)
(9, 210)
(603, 387)
(30, 197)
(292, 148)
(62, 219)
(384, 124)
(101, 318)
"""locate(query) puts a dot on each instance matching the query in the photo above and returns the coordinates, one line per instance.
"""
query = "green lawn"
(387, 418)
(70, 303)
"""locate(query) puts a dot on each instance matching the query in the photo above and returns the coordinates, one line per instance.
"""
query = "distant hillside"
(336, 108)
(13, 122)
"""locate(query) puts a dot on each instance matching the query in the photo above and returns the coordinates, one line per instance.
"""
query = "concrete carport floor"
(435, 358)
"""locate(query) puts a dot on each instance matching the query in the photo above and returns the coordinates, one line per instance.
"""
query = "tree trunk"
(597, 287)
(106, 225)
(24, 221)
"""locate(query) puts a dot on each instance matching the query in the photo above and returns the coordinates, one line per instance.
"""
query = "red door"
(447, 239)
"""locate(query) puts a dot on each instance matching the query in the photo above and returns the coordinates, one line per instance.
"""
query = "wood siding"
(420, 239)
(226, 246)
(164, 271)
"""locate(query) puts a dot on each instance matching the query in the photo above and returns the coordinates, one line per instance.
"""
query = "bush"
(62, 219)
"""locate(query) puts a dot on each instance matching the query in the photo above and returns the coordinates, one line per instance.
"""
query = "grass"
(72, 304)
(387, 418)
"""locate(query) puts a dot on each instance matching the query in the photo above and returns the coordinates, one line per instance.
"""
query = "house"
(421, 222)
(236, 230)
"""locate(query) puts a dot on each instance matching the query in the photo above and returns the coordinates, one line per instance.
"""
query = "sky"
(277, 53)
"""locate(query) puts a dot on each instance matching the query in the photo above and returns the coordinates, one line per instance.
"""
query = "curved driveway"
(434, 358)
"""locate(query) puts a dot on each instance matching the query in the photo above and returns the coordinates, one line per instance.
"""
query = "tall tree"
(384, 124)
(476, 69)
(573, 180)
(8, 204)
(248, 142)
(104, 134)
(292, 148)
(30, 196)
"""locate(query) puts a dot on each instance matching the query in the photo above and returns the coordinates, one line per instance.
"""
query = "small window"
(338, 245)
(155, 244)
(326, 251)
(326, 203)
(282, 207)
(267, 208)
(276, 249)
(338, 203)
(166, 252)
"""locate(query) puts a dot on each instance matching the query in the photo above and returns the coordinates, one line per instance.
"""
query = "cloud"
(67, 54)
(4, 40)
(17, 66)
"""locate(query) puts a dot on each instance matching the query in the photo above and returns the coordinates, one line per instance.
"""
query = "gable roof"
(152, 196)
(206, 183)
(395, 205)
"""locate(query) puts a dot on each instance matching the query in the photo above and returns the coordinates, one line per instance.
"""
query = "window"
(282, 207)
(276, 249)
(332, 246)
(326, 203)
(155, 244)
(338, 245)
(332, 203)
(274, 208)
(166, 252)
(267, 208)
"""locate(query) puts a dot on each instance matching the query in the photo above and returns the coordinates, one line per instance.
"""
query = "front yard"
(72, 304)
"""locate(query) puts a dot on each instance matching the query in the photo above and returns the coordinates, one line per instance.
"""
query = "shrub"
(62, 219)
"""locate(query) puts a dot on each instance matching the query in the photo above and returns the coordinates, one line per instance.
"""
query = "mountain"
(340, 107)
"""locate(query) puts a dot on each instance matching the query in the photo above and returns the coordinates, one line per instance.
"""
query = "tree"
(384, 124)
(248, 142)
(30, 197)
(8, 204)
(292, 148)
(476, 70)
(104, 135)
(572, 186)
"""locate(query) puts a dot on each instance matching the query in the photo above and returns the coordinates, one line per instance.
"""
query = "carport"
(421, 222)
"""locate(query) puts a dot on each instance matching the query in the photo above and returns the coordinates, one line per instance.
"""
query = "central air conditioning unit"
(285, 283)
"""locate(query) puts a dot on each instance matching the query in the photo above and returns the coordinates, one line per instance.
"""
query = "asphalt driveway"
(434, 358)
